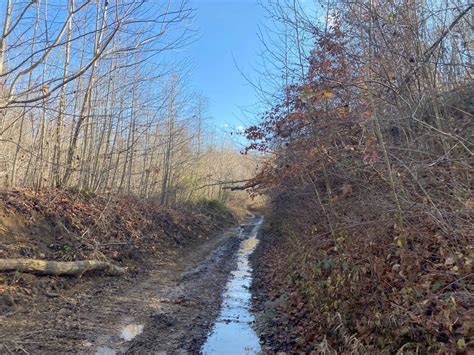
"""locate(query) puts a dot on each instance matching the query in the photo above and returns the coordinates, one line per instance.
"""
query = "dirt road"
(170, 309)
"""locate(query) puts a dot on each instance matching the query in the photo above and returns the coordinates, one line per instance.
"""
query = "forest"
(85, 107)
(338, 220)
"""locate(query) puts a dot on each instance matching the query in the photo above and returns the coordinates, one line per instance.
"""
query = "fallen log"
(58, 268)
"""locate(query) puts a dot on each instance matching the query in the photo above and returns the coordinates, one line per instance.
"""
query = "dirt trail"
(171, 309)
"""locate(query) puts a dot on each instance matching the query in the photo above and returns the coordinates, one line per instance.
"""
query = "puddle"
(131, 331)
(232, 332)
(128, 332)
(104, 350)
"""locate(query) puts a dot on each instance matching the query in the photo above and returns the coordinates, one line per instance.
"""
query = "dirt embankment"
(158, 246)
(63, 226)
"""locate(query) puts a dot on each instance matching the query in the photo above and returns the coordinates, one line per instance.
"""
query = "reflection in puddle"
(104, 350)
(128, 333)
(232, 333)
(131, 331)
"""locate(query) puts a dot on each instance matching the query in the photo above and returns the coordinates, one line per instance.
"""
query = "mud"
(171, 308)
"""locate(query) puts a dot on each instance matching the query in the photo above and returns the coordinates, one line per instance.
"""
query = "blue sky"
(227, 42)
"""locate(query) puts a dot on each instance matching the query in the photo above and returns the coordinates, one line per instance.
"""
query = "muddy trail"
(174, 308)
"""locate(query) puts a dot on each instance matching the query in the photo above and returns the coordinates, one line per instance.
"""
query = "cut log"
(71, 268)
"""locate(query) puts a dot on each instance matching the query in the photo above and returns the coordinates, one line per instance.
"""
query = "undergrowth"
(362, 291)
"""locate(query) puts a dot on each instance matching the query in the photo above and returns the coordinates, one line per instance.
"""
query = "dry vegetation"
(369, 240)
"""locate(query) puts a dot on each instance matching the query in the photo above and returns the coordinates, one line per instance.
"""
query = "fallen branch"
(242, 187)
(222, 183)
(57, 268)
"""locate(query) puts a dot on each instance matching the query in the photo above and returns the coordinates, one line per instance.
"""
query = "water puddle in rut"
(232, 332)
(131, 331)
(128, 332)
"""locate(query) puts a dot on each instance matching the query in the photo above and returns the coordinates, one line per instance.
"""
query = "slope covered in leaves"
(61, 225)
(362, 291)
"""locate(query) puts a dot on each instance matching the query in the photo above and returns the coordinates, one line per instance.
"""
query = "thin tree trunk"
(87, 97)
(62, 103)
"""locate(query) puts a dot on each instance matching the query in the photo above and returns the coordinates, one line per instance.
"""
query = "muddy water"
(129, 332)
(232, 333)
